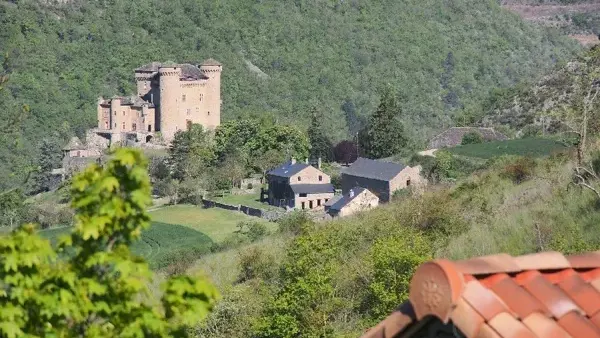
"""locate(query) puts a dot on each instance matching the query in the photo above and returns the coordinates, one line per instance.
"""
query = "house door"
(310, 204)
(303, 205)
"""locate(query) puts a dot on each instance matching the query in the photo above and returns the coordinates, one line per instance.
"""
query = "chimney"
(319, 163)
(351, 193)
(293, 161)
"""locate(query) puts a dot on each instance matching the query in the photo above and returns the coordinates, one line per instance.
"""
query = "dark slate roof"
(342, 202)
(188, 71)
(379, 170)
(453, 136)
(312, 188)
(333, 200)
(288, 169)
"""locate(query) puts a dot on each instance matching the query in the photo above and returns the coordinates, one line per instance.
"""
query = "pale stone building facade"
(299, 186)
(169, 98)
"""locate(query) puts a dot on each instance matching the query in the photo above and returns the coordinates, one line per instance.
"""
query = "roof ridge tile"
(549, 260)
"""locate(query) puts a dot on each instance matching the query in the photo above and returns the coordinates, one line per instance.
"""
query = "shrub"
(294, 222)
(253, 230)
(472, 137)
(520, 170)
(255, 263)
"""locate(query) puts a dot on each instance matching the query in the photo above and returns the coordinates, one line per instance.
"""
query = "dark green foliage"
(472, 137)
(294, 222)
(58, 58)
(532, 147)
(50, 155)
(384, 136)
(12, 208)
(190, 153)
(320, 144)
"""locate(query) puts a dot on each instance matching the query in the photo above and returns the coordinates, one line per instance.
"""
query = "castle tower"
(212, 69)
(169, 114)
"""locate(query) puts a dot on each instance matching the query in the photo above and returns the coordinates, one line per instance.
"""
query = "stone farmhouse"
(357, 199)
(170, 97)
(453, 137)
(381, 178)
(298, 185)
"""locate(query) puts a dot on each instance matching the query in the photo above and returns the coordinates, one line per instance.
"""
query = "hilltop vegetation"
(441, 55)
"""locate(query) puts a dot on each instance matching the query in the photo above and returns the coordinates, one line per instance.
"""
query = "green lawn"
(251, 200)
(160, 244)
(214, 222)
(533, 147)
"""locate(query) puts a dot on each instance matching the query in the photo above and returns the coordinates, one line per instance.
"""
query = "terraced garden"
(532, 147)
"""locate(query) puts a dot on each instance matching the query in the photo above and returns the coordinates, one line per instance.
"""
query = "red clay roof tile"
(578, 326)
(543, 326)
(499, 296)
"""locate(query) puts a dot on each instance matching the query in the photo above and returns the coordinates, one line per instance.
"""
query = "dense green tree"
(471, 137)
(320, 144)
(269, 160)
(12, 208)
(384, 136)
(190, 153)
(95, 290)
(49, 158)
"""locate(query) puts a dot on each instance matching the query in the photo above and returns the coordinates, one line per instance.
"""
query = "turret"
(212, 69)
(115, 118)
(169, 112)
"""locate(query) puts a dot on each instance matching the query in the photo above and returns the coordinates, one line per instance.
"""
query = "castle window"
(115, 125)
(201, 97)
(183, 98)
(208, 113)
(188, 111)
(123, 113)
(133, 126)
(123, 126)
(197, 110)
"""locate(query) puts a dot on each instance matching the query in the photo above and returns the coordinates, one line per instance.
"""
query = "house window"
(149, 127)
(106, 124)
(78, 153)
(123, 113)
(310, 204)
(123, 126)
(183, 98)
(302, 195)
(133, 126)
(299, 178)
(303, 205)
(320, 178)
(319, 202)
(408, 182)
(327, 199)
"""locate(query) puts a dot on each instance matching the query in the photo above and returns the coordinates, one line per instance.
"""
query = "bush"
(520, 170)
(294, 222)
(472, 137)
(253, 230)
(255, 263)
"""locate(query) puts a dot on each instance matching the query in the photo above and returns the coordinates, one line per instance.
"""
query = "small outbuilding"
(357, 199)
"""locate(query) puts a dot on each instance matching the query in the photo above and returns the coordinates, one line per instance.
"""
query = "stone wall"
(270, 215)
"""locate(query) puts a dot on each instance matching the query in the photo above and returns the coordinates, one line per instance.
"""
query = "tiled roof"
(347, 198)
(288, 169)
(312, 188)
(453, 136)
(538, 295)
(379, 170)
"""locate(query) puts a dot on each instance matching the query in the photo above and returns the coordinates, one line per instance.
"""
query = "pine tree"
(320, 144)
(385, 135)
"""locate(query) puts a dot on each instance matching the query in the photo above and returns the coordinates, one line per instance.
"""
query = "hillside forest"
(282, 58)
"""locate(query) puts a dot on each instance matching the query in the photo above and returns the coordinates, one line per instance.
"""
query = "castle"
(169, 98)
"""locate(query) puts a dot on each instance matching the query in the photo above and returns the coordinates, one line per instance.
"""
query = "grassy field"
(214, 222)
(160, 244)
(251, 200)
(533, 147)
